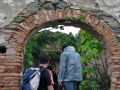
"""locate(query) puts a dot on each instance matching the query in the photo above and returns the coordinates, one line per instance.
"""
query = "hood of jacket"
(69, 49)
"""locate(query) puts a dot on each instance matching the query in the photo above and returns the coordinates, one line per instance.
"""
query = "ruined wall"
(15, 35)
(10, 8)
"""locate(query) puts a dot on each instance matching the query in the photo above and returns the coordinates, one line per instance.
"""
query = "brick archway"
(11, 61)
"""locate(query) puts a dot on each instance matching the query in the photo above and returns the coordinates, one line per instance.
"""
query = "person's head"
(50, 67)
(66, 45)
(43, 60)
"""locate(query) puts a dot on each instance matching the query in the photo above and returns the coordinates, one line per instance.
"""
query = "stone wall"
(10, 8)
(37, 15)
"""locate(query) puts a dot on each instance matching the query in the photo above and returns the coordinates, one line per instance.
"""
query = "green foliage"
(69, 18)
(61, 27)
(81, 18)
(30, 47)
(89, 84)
(46, 42)
(89, 47)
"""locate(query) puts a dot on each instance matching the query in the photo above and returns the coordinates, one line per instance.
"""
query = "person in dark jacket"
(70, 73)
(46, 78)
(55, 77)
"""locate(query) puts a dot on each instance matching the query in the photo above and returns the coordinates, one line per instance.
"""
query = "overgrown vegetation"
(94, 57)
(91, 50)
(46, 42)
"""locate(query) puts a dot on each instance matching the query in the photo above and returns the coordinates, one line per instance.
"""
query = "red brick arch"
(12, 61)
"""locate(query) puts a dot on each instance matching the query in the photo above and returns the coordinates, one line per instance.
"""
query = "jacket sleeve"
(62, 67)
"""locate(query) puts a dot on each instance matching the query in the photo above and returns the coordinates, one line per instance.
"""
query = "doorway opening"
(93, 53)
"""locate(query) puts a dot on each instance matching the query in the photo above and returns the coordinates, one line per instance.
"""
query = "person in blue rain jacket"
(70, 70)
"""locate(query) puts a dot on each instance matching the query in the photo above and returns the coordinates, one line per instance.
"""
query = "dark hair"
(43, 59)
(64, 46)
(50, 67)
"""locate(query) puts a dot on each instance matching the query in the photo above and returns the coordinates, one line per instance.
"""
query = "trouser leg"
(68, 85)
(76, 85)
(71, 85)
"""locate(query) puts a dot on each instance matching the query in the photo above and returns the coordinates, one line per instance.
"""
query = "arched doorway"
(12, 60)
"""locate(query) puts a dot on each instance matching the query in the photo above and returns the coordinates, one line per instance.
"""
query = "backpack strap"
(42, 69)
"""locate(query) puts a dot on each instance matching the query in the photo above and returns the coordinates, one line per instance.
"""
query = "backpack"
(31, 79)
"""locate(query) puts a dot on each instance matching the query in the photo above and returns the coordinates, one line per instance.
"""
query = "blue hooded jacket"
(70, 65)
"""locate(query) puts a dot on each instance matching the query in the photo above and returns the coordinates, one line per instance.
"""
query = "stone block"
(19, 19)
(76, 13)
(11, 51)
(4, 38)
(113, 79)
(32, 8)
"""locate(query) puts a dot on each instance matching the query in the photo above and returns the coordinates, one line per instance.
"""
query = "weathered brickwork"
(11, 62)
